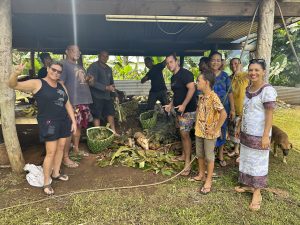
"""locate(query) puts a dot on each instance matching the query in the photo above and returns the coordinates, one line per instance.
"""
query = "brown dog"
(280, 139)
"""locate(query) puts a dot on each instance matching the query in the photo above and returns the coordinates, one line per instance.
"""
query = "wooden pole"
(265, 32)
(32, 66)
(7, 96)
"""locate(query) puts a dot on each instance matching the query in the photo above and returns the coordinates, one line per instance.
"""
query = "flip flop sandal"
(62, 177)
(51, 191)
(71, 165)
(233, 154)
(240, 189)
(185, 172)
(196, 180)
(177, 159)
(222, 163)
(214, 175)
(205, 191)
(82, 153)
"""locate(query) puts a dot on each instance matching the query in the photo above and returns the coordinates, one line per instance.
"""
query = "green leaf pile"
(148, 160)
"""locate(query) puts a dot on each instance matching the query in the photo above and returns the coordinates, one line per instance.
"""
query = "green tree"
(284, 68)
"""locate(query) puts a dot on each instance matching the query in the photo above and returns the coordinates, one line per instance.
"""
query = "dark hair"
(71, 45)
(173, 55)
(148, 59)
(44, 55)
(212, 53)
(204, 60)
(103, 50)
(209, 76)
(56, 63)
(261, 62)
(235, 59)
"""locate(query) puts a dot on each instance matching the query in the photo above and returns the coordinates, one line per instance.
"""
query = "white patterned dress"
(254, 160)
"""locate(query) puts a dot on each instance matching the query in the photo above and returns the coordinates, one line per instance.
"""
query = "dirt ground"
(87, 176)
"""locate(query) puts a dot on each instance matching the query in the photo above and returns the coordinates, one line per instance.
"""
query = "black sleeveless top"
(51, 102)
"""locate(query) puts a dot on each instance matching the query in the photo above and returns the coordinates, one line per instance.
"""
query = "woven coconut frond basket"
(99, 138)
(148, 119)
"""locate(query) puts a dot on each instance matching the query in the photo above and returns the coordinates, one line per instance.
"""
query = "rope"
(288, 35)
(97, 190)
(252, 22)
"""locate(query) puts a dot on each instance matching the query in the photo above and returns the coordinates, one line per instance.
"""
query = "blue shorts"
(52, 130)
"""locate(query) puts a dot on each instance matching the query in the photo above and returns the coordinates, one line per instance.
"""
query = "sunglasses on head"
(257, 61)
(55, 70)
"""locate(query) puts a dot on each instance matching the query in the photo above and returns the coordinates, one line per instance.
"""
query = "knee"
(50, 154)
(60, 147)
(185, 135)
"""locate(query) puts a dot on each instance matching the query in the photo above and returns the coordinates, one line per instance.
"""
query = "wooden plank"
(150, 7)
(25, 120)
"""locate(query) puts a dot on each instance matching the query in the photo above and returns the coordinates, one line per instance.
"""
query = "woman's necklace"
(255, 88)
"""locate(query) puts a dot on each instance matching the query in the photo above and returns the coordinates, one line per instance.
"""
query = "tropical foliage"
(284, 68)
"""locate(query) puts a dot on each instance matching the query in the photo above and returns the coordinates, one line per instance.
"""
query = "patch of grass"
(289, 121)
(179, 202)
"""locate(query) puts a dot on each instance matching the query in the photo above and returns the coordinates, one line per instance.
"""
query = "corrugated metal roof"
(233, 30)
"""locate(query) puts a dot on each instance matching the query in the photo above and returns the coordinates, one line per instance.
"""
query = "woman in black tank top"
(55, 117)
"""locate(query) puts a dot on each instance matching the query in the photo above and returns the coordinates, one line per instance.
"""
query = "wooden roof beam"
(151, 7)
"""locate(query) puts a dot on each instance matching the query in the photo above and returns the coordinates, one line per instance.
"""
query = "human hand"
(265, 142)
(238, 130)
(19, 69)
(239, 68)
(168, 108)
(180, 108)
(210, 131)
(110, 88)
(237, 134)
(73, 127)
(117, 100)
(232, 115)
(89, 79)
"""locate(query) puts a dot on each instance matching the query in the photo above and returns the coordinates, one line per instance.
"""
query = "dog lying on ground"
(280, 139)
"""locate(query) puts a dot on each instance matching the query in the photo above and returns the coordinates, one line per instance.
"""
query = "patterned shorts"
(186, 121)
(82, 115)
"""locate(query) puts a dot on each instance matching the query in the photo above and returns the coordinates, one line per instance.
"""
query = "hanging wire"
(252, 22)
(169, 33)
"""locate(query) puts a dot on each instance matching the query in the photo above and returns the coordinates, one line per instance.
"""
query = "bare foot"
(256, 202)
(69, 163)
(186, 172)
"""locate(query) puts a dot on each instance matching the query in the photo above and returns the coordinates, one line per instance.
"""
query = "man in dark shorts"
(158, 89)
(76, 81)
(185, 103)
(103, 90)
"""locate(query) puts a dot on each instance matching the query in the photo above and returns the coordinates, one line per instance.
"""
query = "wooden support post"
(181, 59)
(7, 96)
(265, 32)
(32, 67)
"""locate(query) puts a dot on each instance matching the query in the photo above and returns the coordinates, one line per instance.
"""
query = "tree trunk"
(7, 97)
(265, 32)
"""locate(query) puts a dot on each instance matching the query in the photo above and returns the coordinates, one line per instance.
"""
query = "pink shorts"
(82, 115)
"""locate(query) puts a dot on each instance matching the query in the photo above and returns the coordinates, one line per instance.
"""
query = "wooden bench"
(25, 120)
